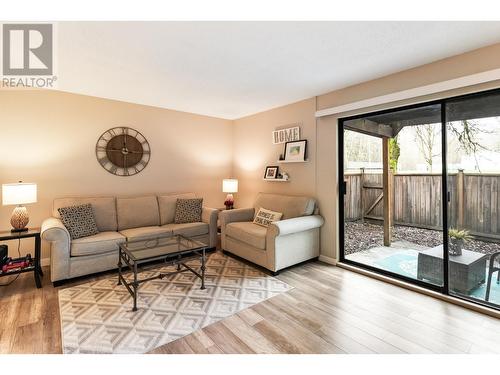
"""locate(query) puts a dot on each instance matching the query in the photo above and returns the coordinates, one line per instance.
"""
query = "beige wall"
(49, 138)
(253, 151)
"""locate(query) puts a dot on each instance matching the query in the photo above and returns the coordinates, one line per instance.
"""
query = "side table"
(466, 271)
(35, 267)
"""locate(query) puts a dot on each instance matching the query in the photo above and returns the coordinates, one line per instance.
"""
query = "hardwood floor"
(331, 310)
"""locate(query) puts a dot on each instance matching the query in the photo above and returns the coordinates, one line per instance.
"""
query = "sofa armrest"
(295, 225)
(54, 230)
(238, 214)
(210, 216)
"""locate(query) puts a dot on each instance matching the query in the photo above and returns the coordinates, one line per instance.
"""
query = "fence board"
(418, 199)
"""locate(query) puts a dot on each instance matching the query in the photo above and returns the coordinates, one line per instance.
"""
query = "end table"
(35, 267)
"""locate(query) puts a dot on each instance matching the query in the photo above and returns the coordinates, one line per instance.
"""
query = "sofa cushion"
(189, 229)
(290, 206)
(135, 212)
(79, 220)
(250, 233)
(104, 209)
(167, 205)
(188, 210)
(145, 232)
(100, 243)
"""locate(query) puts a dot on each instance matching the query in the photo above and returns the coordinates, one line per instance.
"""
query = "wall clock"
(122, 151)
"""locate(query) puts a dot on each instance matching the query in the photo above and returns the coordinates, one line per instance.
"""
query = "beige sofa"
(292, 240)
(117, 219)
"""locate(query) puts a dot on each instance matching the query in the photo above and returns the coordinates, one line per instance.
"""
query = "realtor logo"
(28, 56)
(27, 50)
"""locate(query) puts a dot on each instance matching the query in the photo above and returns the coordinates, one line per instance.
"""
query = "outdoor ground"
(364, 245)
(363, 236)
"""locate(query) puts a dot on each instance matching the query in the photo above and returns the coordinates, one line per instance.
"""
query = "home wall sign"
(286, 135)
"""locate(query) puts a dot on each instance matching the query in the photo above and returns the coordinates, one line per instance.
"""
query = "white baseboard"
(329, 260)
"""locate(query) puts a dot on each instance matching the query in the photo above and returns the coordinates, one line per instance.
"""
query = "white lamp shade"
(229, 185)
(20, 193)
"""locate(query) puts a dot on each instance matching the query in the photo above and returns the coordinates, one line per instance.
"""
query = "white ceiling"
(233, 69)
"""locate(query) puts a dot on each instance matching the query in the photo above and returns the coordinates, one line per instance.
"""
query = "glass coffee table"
(172, 250)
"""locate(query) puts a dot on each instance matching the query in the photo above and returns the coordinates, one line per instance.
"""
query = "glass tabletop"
(150, 248)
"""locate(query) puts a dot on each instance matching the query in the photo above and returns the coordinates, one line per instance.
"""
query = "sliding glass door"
(473, 158)
(420, 195)
(392, 165)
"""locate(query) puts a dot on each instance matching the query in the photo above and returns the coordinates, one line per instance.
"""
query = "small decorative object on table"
(229, 186)
(458, 238)
(285, 176)
(19, 194)
(271, 173)
(296, 150)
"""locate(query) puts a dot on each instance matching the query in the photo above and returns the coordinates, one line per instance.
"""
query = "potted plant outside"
(457, 240)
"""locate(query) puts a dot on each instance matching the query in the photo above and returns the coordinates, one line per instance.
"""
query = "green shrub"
(459, 234)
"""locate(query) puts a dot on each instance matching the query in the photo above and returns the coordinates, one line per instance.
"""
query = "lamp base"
(19, 230)
(229, 202)
(19, 219)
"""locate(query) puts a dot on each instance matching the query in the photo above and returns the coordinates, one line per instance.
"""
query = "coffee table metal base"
(133, 286)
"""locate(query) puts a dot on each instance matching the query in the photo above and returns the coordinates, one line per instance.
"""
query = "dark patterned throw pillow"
(79, 220)
(188, 210)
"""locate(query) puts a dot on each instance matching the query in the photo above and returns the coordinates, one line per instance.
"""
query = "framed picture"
(296, 150)
(271, 173)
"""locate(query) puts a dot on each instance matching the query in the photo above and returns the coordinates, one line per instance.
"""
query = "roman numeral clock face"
(122, 151)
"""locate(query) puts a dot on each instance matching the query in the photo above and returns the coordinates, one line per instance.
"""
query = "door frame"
(445, 197)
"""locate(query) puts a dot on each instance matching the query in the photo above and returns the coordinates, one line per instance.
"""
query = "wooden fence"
(417, 198)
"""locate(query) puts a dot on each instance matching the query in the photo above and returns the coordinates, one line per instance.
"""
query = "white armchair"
(292, 240)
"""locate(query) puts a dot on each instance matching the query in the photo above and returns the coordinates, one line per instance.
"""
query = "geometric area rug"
(97, 317)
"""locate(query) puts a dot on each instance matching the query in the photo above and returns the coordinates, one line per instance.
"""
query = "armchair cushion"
(290, 206)
(239, 214)
(248, 232)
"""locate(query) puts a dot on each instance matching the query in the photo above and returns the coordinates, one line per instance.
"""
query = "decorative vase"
(456, 246)
(229, 202)
(19, 218)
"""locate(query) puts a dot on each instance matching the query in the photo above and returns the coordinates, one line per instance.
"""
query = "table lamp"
(229, 186)
(19, 194)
